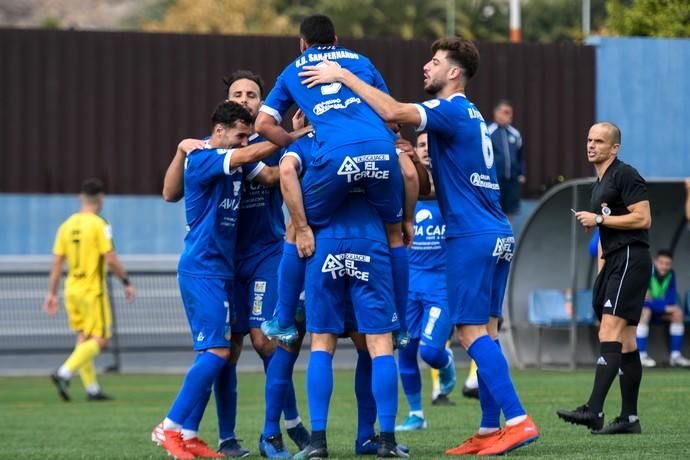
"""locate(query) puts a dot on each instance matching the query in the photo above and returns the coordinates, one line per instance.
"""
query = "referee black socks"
(608, 364)
(631, 377)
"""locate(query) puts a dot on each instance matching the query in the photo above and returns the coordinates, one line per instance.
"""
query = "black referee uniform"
(621, 286)
(619, 290)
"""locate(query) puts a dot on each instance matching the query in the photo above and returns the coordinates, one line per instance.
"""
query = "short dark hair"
(502, 102)
(317, 29)
(615, 131)
(243, 75)
(461, 51)
(92, 187)
(228, 113)
(664, 253)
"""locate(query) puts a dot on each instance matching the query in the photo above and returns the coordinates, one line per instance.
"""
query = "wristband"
(125, 281)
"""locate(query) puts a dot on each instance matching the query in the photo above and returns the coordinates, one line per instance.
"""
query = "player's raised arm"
(261, 150)
(388, 108)
(292, 195)
(173, 182)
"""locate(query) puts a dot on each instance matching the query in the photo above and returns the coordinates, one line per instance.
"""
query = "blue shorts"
(476, 275)
(332, 175)
(359, 269)
(208, 304)
(428, 319)
(256, 289)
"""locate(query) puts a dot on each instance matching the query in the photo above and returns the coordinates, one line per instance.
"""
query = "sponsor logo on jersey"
(260, 286)
(504, 248)
(258, 304)
(483, 181)
(423, 215)
(350, 167)
(200, 337)
(608, 304)
(335, 104)
(342, 265)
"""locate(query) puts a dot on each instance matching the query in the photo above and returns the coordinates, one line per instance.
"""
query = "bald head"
(614, 132)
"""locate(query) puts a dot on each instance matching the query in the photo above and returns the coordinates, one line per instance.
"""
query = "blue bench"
(547, 309)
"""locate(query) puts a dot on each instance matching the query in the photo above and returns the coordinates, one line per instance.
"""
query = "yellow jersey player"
(85, 241)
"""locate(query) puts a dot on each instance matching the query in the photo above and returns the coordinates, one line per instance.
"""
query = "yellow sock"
(435, 383)
(473, 370)
(83, 353)
(87, 372)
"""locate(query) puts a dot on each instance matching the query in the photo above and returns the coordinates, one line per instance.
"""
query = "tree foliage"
(650, 18)
(221, 16)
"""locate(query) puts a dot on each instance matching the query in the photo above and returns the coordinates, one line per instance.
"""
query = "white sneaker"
(647, 361)
(679, 361)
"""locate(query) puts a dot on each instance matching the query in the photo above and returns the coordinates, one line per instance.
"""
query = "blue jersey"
(356, 218)
(338, 115)
(261, 221)
(427, 256)
(464, 171)
(212, 193)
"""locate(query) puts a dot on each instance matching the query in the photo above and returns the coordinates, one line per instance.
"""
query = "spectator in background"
(507, 145)
(662, 303)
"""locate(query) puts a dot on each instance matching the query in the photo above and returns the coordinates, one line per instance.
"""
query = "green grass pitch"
(36, 425)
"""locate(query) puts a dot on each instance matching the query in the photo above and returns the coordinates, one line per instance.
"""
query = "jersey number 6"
(487, 146)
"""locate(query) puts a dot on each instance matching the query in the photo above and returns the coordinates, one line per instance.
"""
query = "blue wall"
(643, 85)
(141, 224)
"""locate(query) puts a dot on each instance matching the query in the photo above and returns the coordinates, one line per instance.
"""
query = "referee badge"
(605, 210)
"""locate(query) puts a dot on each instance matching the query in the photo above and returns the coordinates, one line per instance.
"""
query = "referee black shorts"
(621, 286)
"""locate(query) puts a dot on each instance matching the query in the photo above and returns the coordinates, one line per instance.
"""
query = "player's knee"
(380, 344)
(433, 356)
(395, 237)
(261, 344)
(676, 315)
(223, 353)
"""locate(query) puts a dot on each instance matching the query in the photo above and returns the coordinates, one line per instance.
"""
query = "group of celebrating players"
(351, 189)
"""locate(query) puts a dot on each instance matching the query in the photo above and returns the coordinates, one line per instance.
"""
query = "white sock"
(189, 434)
(169, 425)
(516, 420)
(292, 423)
(418, 413)
(472, 383)
(484, 431)
(64, 373)
(643, 354)
(675, 354)
(93, 389)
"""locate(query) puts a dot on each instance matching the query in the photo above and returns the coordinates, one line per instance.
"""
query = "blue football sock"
(290, 284)
(290, 410)
(410, 376)
(278, 377)
(401, 282)
(192, 422)
(384, 385)
(434, 357)
(319, 388)
(225, 390)
(492, 367)
(195, 386)
(366, 405)
(266, 360)
(491, 412)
